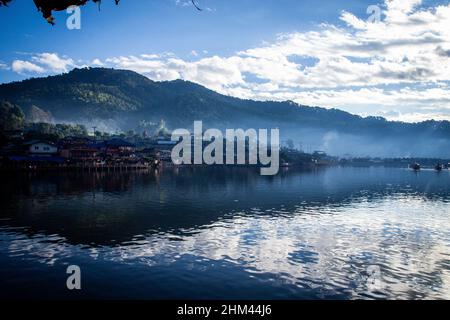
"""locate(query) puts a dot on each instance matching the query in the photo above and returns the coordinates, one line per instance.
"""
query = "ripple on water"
(332, 234)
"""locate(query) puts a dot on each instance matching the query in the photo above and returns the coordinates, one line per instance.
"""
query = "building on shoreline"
(75, 151)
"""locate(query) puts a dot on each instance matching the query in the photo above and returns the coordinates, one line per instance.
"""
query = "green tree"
(11, 117)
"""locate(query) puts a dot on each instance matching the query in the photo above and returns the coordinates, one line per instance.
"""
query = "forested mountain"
(118, 99)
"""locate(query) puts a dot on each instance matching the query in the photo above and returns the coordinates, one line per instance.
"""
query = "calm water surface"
(338, 233)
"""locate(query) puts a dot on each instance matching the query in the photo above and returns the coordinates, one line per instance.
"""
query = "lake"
(227, 233)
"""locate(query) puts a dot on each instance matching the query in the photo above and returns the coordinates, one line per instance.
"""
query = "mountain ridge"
(123, 99)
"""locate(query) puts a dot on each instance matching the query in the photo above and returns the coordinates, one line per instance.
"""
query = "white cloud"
(350, 67)
(353, 21)
(22, 67)
(97, 63)
(43, 63)
(406, 104)
(347, 67)
(411, 45)
(183, 3)
(52, 62)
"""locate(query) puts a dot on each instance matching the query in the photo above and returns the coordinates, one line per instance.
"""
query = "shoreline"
(145, 168)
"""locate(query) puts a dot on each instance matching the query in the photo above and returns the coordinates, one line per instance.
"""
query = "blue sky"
(226, 48)
(162, 26)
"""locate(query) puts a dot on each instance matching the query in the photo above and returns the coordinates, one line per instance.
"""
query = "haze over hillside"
(118, 99)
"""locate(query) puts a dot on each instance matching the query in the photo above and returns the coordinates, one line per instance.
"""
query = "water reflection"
(239, 235)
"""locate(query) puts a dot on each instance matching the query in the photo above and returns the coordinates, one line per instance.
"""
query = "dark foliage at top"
(48, 6)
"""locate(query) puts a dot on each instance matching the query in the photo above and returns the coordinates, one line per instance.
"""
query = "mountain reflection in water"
(227, 233)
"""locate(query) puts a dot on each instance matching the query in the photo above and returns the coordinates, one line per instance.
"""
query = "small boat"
(415, 166)
(438, 167)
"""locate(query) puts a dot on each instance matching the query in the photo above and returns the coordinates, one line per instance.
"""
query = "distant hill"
(120, 99)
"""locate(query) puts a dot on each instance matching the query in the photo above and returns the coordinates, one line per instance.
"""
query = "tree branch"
(48, 6)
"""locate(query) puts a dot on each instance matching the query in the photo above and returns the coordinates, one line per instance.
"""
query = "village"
(34, 150)
(131, 151)
(116, 152)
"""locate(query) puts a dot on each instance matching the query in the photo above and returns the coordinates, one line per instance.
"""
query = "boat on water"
(439, 167)
(415, 166)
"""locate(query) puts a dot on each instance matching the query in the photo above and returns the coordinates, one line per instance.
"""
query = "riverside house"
(32, 153)
(78, 149)
(41, 148)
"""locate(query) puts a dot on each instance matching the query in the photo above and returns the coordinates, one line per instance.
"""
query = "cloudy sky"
(388, 58)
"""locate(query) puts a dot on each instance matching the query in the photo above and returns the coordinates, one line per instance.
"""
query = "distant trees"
(11, 117)
(53, 132)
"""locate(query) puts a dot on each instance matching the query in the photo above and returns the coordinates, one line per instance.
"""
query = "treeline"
(12, 118)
